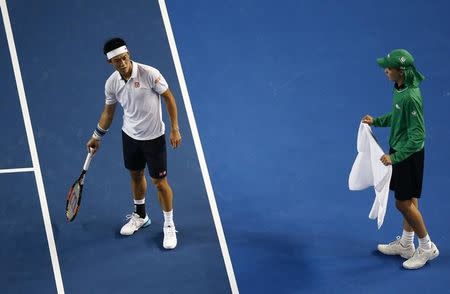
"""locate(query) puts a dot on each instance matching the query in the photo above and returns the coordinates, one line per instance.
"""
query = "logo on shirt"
(137, 84)
(414, 113)
(396, 106)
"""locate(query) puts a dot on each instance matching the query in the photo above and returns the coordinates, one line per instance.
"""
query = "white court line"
(32, 146)
(199, 148)
(16, 170)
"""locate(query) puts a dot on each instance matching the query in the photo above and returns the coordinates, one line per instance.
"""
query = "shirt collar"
(134, 70)
(399, 88)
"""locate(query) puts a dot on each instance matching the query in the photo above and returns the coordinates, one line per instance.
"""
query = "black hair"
(112, 44)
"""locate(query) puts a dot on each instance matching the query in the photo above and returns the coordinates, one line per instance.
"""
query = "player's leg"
(404, 245)
(413, 220)
(406, 226)
(427, 250)
(409, 189)
(407, 238)
(156, 156)
(165, 194)
(412, 223)
(139, 190)
(134, 161)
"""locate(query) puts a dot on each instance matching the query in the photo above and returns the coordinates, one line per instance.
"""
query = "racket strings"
(73, 201)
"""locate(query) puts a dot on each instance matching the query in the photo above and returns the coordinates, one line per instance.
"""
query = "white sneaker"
(135, 222)
(396, 248)
(421, 256)
(170, 237)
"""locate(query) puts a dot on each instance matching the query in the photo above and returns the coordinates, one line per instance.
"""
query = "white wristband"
(96, 137)
(99, 133)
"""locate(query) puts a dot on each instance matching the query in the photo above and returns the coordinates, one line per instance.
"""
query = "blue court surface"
(275, 92)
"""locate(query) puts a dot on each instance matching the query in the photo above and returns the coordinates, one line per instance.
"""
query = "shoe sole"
(170, 248)
(147, 223)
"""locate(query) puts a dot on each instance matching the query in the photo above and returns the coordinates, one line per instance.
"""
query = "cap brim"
(383, 62)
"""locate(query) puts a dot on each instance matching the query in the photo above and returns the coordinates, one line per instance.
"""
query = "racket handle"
(87, 162)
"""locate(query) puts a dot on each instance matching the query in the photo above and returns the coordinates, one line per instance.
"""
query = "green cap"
(402, 59)
(398, 58)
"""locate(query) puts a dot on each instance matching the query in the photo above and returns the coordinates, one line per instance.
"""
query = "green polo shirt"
(406, 121)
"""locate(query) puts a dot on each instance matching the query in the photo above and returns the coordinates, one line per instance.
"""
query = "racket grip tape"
(87, 162)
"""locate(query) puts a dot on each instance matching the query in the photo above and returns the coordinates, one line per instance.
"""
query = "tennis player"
(139, 88)
(406, 155)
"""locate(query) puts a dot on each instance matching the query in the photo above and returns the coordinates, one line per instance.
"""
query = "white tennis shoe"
(421, 256)
(135, 222)
(396, 248)
(170, 237)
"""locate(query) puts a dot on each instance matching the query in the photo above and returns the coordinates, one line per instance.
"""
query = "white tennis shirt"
(140, 99)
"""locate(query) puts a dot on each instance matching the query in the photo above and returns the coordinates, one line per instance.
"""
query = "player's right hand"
(92, 145)
(367, 120)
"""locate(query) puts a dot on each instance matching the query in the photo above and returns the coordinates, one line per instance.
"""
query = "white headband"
(117, 51)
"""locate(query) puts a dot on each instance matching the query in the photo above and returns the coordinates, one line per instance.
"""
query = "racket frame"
(80, 182)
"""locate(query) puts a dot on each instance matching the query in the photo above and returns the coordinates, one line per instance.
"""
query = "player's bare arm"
(175, 136)
(104, 123)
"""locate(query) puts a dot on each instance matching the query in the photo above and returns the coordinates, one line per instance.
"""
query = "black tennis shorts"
(407, 176)
(136, 154)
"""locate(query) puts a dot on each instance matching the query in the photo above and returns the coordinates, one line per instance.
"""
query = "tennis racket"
(74, 196)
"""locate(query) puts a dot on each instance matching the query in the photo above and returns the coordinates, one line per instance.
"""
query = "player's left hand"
(386, 159)
(175, 138)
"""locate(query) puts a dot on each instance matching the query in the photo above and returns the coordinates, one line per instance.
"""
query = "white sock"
(407, 238)
(168, 218)
(425, 242)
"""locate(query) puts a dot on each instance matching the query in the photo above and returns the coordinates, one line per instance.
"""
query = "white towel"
(368, 170)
